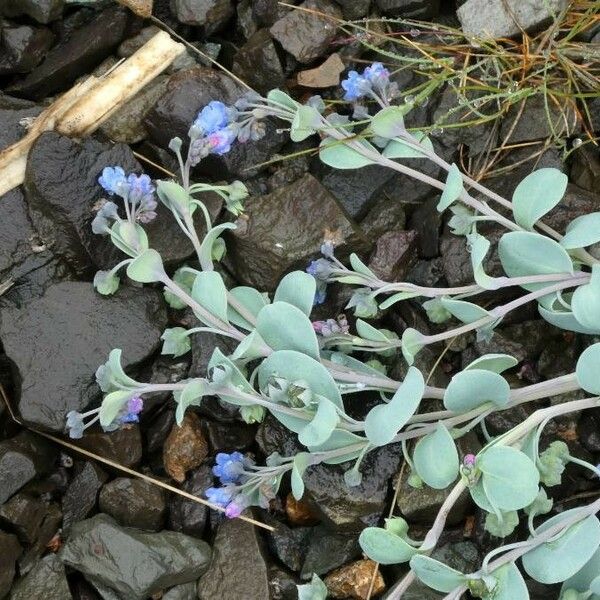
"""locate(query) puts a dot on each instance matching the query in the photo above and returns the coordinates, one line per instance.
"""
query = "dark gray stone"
(46, 580)
(58, 341)
(210, 14)
(227, 437)
(237, 570)
(11, 550)
(87, 47)
(123, 446)
(48, 529)
(354, 9)
(130, 563)
(409, 9)
(289, 544)
(22, 458)
(188, 516)
(43, 11)
(307, 36)
(22, 47)
(12, 113)
(23, 514)
(133, 503)
(328, 550)
(81, 495)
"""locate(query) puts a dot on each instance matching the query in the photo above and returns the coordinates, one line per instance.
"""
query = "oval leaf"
(436, 458)
(435, 574)
(510, 584)
(473, 387)
(582, 231)
(147, 267)
(453, 189)
(497, 363)
(385, 547)
(210, 292)
(588, 369)
(585, 302)
(297, 288)
(339, 155)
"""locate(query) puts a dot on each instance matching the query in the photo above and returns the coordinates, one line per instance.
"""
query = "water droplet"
(513, 87)
(414, 33)
(409, 99)
(437, 131)
(577, 142)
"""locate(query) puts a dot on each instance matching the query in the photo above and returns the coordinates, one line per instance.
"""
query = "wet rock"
(123, 446)
(186, 591)
(12, 113)
(355, 581)
(354, 9)
(328, 550)
(323, 76)
(304, 35)
(130, 563)
(22, 47)
(11, 550)
(46, 580)
(499, 344)
(81, 495)
(57, 342)
(410, 9)
(187, 93)
(79, 54)
(395, 253)
(496, 19)
(188, 516)
(210, 14)
(43, 11)
(133, 503)
(257, 63)
(48, 530)
(537, 121)
(237, 570)
(127, 124)
(22, 458)
(288, 544)
(23, 515)
(299, 512)
(227, 437)
(585, 168)
(185, 448)
(282, 586)
(281, 230)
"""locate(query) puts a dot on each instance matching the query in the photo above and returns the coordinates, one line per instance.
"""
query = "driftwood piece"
(82, 109)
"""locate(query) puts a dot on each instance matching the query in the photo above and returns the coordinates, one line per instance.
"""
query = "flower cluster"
(137, 192)
(374, 81)
(331, 327)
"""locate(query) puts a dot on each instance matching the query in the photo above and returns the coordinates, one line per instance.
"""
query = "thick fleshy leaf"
(191, 395)
(341, 438)
(510, 584)
(563, 557)
(384, 421)
(525, 253)
(294, 366)
(464, 311)
(585, 302)
(583, 579)
(278, 97)
(210, 292)
(588, 369)
(174, 197)
(208, 243)
(251, 299)
(389, 122)
(285, 327)
(497, 363)
(112, 405)
(453, 189)
(305, 123)
(435, 574)
(385, 547)
(176, 341)
(297, 288)
(436, 458)
(147, 267)
(360, 267)
(582, 231)
(315, 590)
(471, 388)
(368, 332)
(565, 320)
(301, 462)
(317, 431)
(412, 342)
(400, 148)
(339, 155)
(110, 376)
(480, 246)
(537, 194)
(510, 478)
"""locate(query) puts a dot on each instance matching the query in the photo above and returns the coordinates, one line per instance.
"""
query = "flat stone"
(87, 47)
(282, 230)
(11, 550)
(131, 563)
(43, 11)
(325, 75)
(48, 529)
(47, 579)
(328, 550)
(505, 18)
(123, 446)
(58, 341)
(133, 503)
(354, 9)
(22, 47)
(258, 64)
(237, 570)
(210, 14)
(228, 437)
(395, 253)
(23, 514)
(80, 497)
(304, 35)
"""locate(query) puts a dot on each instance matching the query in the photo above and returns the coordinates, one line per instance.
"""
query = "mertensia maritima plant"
(300, 371)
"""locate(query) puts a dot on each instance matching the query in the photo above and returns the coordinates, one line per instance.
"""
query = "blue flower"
(219, 496)
(320, 294)
(75, 424)
(113, 180)
(229, 467)
(140, 187)
(220, 141)
(376, 74)
(355, 86)
(320, 269)
(214, 116)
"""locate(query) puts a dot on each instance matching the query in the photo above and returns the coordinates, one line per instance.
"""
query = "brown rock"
(299, 512)
(395, 253)
(323, 76)
(142, 8)
(354, 580)
(185, 447)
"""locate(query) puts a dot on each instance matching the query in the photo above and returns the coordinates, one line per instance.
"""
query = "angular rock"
(22, 458)
(188, 516)
(186, 591)
(395, 253)
(78, 55)
(185, 448)
(282, 586)
(123, 446)
(328, 550)
(133, 503)
(288, 544)
(355, 581)
(11, 550)
(48, 530)
(131, 563)
(210, 14)
(280, 231)
(354, 9)
(585, 168)
(505, 18)
(257, 63)
(43, 11)
(409, 9)
(187, 93)
(13, 112)
(299, 512)
(237, 570)
(227, 437)
(81, 495)
(304, 35)
(23, 514)
(58, 341)
(22, 47)
(323, 76)
(46, 580)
